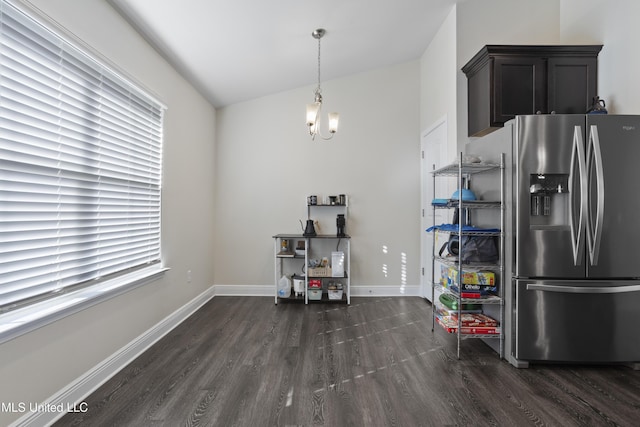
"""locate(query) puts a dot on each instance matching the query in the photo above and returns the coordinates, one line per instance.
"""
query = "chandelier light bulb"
(333, 122)
(312, 113)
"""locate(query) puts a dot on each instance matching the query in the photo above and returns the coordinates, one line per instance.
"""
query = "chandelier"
(313, 110)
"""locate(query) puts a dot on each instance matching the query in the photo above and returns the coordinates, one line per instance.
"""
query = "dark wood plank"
(243, 361)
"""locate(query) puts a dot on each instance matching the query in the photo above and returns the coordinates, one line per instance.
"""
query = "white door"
(433, 147)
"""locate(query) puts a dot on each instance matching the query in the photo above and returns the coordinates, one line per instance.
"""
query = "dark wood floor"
(243, 361)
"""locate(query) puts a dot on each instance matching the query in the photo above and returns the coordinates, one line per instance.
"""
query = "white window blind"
(80, 166)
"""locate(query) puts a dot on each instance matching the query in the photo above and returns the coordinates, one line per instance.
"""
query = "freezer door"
(613, 225)
(548, 190)
(577, 321)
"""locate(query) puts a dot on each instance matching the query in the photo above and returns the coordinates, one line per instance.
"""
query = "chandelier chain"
(318, 90)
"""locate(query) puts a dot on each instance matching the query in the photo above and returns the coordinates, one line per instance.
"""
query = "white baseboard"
(356, 291)
(83, 386)
(386, 291)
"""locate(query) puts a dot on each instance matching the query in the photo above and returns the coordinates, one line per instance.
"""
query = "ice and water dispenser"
(549, 200)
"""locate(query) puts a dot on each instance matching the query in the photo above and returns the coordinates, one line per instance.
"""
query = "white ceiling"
(236, 50)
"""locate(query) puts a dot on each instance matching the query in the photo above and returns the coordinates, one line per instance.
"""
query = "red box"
(315, 283)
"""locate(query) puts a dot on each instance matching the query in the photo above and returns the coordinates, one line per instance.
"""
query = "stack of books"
(472, 323)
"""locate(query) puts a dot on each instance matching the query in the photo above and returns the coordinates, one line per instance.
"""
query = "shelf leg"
(275, 268)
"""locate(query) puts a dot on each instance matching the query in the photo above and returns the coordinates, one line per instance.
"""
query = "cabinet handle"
(577, 168)
(583, 289)
(594, 226)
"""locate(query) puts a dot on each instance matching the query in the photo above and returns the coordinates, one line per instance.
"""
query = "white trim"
(433, 142)
(356, 291)
(245, 290)
(386, 291)
(433, 126)
(83, 386)
(21, 321)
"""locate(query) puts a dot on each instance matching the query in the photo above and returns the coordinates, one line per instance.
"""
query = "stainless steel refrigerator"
(576, 231)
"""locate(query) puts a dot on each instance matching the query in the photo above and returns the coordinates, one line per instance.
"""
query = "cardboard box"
(319, 271)
(486, 278)
(452, 327)
(474, 319)
(473, 293)
(444, 275)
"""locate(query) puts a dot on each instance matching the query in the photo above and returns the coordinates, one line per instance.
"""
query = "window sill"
(24, 320)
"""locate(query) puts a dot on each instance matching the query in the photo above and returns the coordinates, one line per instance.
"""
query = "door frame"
(433, 151)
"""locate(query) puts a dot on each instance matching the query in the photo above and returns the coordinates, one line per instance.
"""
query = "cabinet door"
(572, 84)
(519, 87)
(480, 118)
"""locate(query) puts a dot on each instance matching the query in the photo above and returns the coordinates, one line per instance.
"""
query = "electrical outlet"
(188, 276)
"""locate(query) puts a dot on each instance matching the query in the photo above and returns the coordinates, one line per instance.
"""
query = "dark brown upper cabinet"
(507, 80)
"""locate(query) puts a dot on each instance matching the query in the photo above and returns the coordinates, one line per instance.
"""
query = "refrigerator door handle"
(578, 166)
(583, 289)
(594, 225)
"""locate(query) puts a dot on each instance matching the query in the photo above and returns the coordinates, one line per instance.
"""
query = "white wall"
(615, 25)
(267, 165)
(438, 71)
(37, 365)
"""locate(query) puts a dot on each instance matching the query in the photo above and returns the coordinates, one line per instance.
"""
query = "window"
(80, 166)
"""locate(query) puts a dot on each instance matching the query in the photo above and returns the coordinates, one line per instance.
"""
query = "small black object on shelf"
(309, 230)
(341, 223)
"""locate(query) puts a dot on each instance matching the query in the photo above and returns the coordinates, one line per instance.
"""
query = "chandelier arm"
(316, 126)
